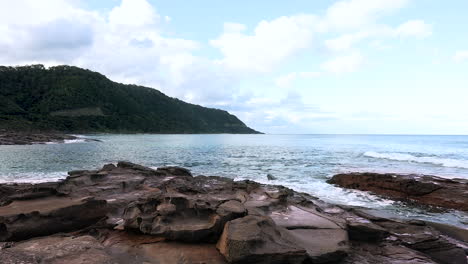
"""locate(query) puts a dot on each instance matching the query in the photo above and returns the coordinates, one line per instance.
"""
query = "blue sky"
(349, 66)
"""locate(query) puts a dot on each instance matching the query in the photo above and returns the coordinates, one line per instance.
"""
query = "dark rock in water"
(29, 138)
(134, 214)
(271, 177)
(427, 190)
(256, 239)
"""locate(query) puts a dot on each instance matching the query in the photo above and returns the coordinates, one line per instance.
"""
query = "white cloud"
(286, 80)
(345, 42)
(353, 14)
(414, 28)
(129, 44)
(133, 13)
(461, 55)
(271, 43)
(344, 64)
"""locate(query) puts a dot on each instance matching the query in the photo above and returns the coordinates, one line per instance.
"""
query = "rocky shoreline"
(30, 138)
(422, 189)
(128, 213)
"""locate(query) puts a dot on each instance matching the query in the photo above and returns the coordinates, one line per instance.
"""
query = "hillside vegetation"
(71, 99)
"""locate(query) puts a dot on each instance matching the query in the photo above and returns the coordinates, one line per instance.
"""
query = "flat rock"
(364, 230)
(296, 218)
(366, 253)
(256, 239)
(427, 240)
(138, 248)
(322, 245)
(25, 219)
(57, 250)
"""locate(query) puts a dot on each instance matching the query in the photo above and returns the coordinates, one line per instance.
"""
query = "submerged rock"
(424, 189)
(270, 177)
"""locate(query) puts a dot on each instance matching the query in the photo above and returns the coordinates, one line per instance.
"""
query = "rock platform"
(128, 213)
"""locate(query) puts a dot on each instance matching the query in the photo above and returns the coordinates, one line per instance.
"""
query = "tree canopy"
(71, 99)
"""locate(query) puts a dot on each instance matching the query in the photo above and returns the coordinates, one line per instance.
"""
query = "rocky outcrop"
(25, 138)
(128, 213)
(423, 189)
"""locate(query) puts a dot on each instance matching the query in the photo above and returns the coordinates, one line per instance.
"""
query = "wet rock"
(424, 189)
(270, 177)
(256, 239)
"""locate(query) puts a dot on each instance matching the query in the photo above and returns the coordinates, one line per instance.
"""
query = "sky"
(295, 67)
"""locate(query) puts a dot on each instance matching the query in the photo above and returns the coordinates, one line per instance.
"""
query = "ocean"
(301, 162)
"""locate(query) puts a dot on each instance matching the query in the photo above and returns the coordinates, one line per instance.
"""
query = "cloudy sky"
(297, 66)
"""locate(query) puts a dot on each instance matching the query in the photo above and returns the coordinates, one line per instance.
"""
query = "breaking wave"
(452, 163)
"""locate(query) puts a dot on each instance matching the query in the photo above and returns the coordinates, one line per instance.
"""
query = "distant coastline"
(73, 100)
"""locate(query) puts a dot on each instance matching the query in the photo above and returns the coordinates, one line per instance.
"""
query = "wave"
(78, 140)
(68, 141)
(452, 163)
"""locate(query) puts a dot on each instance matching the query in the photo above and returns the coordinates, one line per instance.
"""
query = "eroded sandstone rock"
(141, 215)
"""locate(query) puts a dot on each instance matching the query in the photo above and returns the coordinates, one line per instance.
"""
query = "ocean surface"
(301, 162)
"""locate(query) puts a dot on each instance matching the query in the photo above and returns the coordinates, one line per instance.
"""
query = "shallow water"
(302, 162)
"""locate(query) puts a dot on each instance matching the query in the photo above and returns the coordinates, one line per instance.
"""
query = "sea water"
(301, 162)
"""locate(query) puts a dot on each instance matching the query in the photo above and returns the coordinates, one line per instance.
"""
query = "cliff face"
(72, 99)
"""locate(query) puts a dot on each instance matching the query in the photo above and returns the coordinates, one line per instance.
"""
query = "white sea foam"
(452, 163)
(78, 140)
(33, 177)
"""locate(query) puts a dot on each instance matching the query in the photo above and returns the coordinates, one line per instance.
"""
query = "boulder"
(270, 177)
(256, 239)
